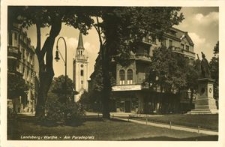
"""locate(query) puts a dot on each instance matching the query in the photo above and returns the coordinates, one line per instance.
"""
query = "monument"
(205, 103)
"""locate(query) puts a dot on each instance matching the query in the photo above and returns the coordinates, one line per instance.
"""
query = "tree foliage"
(170, 68)
(125, 27)
(193, 74)
(61, 109)
(119, 32)
(60, 89)
(16, 86)
(69, 113)
(216, 48)
(48, 16)
(122, 29)
(214, 69)
(98, 79)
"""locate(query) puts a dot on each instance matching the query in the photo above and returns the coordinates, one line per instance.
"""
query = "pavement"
(125, 117)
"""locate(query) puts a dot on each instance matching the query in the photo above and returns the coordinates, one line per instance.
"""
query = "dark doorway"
(127, 106)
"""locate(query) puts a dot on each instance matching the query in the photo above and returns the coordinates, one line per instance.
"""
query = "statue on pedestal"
(205, 72)
(205, 103)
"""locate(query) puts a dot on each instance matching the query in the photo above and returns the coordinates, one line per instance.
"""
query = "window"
(187, 47)
(122, 77)
(81, 65)
(82, 72)
(129, 76)
(170, 43)
(15, 36)
(164, 42)
(82, 81)
(145, 52)
(10, 39)
(182, 46)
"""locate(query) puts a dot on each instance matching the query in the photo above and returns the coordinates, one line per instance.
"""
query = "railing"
(182, 51)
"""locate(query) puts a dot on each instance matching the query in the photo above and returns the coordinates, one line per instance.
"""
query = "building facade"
(129, 94)
(80, 69)
(21, 61)
(180, 42)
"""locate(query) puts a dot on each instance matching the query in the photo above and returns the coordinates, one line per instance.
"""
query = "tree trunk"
(46, 72)
(106, 91)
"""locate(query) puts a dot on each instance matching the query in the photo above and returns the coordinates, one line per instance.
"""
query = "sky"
(201, 23)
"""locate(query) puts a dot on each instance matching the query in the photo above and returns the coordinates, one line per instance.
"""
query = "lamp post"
(65, 61)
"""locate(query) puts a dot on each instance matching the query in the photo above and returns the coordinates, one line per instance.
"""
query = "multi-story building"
(21, 61)
(129, 94)
(180, 42)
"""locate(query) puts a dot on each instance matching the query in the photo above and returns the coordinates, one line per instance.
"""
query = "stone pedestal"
(205, 103)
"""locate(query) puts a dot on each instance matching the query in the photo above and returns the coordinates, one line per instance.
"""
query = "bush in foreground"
(69, 113)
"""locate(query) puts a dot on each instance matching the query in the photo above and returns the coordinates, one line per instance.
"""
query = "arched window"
(122, 77)
(82, 72)
(129, 76)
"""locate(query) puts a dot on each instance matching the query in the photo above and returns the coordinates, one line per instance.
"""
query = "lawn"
(204, 121)
(25, 127)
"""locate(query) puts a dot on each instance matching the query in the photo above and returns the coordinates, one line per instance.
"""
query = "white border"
(3, 57)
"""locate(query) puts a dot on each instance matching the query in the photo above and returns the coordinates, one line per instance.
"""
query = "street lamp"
(65, 61)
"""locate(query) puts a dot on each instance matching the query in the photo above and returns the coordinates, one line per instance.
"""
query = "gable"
(181, 35)
(185, 40)
(189, 39)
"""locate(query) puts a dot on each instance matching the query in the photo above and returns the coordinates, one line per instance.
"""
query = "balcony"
(183, 51)
(13, 52)
(143, 57)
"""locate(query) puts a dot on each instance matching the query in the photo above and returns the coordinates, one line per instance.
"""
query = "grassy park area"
(204, 121)
(94, 128)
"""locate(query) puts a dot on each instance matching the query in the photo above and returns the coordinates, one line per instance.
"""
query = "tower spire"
(80, 42)
(80, 69)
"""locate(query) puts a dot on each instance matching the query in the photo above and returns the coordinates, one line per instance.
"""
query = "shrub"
(74, 113)
(54, 110)
(63, 113)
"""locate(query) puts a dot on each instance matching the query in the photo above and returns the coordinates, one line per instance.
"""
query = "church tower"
(80, 69)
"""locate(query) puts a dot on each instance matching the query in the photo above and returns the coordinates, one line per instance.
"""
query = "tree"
(60, 108)
(214, 70)
(170, 68)
(53, 17)
(96, 86)
(16, 88)
(174, 72)
(85, 100)
(16, 85)
(216, 48)
(119, 32)
(58, 87)
(193, 74)
(122, 29)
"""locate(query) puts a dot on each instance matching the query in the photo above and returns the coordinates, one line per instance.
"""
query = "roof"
(179, 34)
(80, 42)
